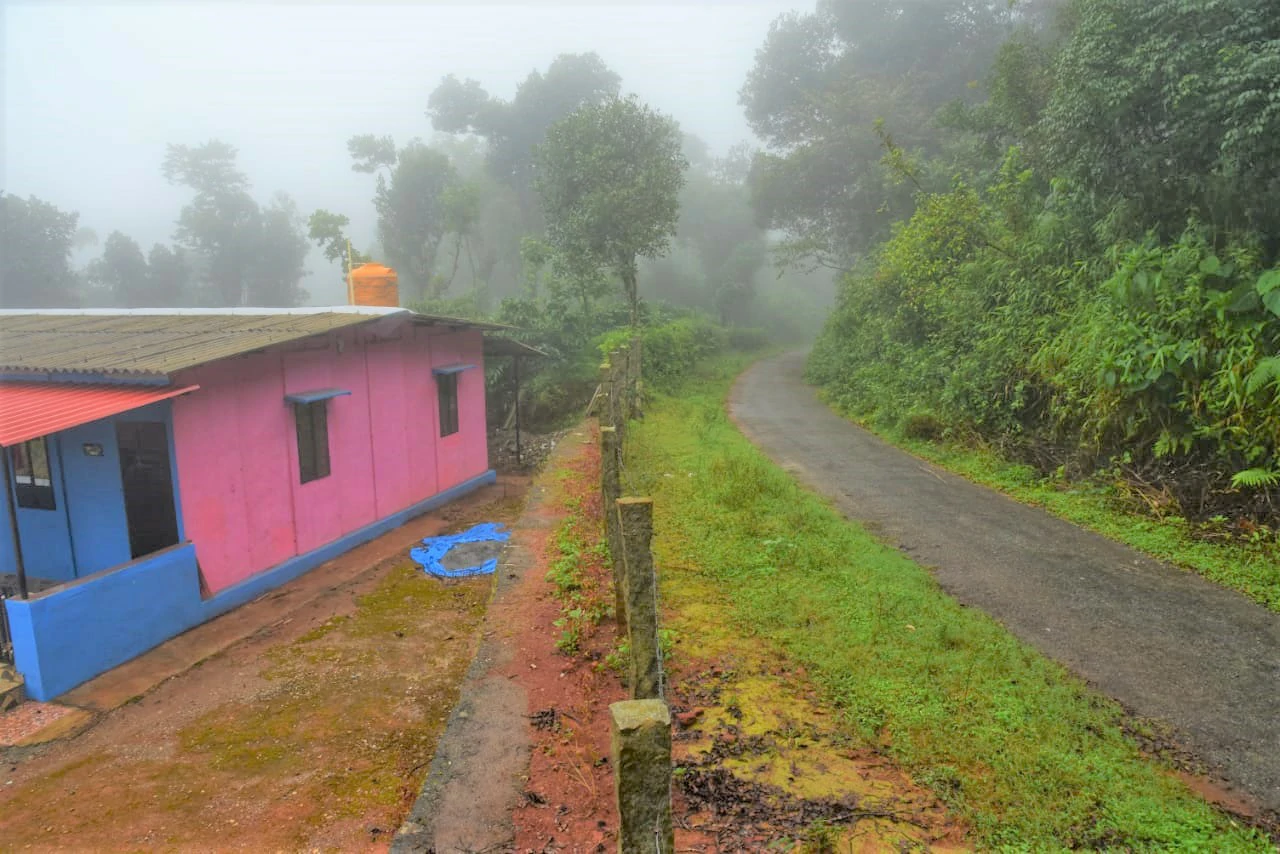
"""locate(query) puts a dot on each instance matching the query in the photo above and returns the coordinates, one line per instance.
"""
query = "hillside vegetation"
(1069, 254)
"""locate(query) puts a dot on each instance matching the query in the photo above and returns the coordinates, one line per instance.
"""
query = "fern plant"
(1256, 478)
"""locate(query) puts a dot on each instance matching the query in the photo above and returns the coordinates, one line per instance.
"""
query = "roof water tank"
(374, 284)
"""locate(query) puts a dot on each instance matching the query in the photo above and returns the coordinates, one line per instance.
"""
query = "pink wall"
(243, 504)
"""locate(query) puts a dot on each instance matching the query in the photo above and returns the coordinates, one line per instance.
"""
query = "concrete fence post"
(611, 491)
(619, 409)
(605, 395)
(640, 583)
(640, 747)
(637, 376)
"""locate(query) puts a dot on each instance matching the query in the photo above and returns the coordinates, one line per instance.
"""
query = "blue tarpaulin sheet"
(433, 550)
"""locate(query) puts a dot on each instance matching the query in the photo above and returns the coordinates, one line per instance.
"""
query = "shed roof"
(30, 410)
(150, 344)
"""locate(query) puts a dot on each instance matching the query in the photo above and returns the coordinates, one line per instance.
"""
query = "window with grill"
(313, 440)
(447, 390)
(32, 482)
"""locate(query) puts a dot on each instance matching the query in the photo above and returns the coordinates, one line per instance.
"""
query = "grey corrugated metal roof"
(152, 344)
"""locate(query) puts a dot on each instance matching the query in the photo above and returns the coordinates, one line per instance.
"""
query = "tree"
(124, 277)
(371, 153)
(718, 224)
(513, 129)
(222, 222)
(122, 271)
(328, 231)
(36, 240)
(1171, 108)
(169, 276)
(609, 177)
(412, 212)
(247, 253)
(278, 262)
(819, 86)
(461, 206)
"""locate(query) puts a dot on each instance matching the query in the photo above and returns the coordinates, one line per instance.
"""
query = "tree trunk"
(457, 251)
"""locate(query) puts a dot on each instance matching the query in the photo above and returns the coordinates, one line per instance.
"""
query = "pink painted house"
(164, 466)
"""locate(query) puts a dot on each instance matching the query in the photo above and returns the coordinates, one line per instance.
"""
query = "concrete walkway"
(1164, 642)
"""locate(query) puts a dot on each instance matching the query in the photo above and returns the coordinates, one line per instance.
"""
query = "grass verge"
(1010, 741)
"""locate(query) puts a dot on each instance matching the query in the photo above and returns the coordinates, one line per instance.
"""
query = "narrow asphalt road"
(1164, 642)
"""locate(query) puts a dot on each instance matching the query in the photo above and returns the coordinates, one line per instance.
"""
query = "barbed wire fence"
(641, 727)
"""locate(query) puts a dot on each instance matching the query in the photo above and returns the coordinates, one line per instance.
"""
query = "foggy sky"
(92, 94)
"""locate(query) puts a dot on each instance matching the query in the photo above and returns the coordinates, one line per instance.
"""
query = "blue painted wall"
(73, 633)
(95, 498)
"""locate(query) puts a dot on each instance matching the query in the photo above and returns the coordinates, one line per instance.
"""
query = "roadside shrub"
(922, 425)
(671, 349)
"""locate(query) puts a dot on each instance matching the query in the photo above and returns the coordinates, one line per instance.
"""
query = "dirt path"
(312, 730)
(1164, 642)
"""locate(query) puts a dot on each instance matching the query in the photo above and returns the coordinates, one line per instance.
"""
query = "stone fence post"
(640, 748)
(611, 491)
(635, 516)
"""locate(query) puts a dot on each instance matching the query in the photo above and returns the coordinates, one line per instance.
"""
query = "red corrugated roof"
(30, 410)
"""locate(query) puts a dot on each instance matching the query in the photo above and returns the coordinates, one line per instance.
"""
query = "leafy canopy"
(249, 255)
(412, 214)
(820, 84)
(1172, 107)
(609, 176)
(513, 129)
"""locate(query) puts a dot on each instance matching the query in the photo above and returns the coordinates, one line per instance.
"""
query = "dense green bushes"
(670, 350)
(1163, 358)
(556, 389)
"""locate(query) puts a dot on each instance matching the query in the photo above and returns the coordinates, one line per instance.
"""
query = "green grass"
(1249, 568)
(1012, 742)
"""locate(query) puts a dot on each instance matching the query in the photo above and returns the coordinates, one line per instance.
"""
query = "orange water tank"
(374, 284)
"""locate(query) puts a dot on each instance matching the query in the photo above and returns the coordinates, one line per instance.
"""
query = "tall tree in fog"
(121, 273)
(370, 153)
(412, 200)
(36, 240)
(820, 85)
(247, 254)
(222, 221)
(609, 176)
(513, 129)
(169, 276)
(277, 268)
(718, 223)
(460, 204)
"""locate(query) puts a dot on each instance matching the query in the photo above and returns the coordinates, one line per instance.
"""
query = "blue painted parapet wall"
(75, 632)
